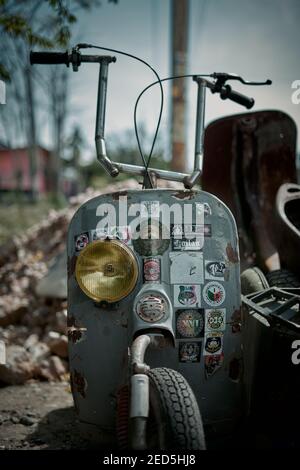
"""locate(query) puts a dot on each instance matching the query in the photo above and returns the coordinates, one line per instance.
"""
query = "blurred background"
(47, 123)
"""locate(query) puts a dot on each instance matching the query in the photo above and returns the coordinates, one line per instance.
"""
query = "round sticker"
(189, 323)
(216, 319)
(81, 241)
(152, 307)
(214, 293)
(153, 238)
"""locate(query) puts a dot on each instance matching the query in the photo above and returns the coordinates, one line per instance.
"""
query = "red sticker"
(151, 270)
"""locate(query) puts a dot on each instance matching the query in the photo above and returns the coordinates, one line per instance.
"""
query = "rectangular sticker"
(189, 352)
(120, 233)
(151, 269)
(212, 364)
(189, 323)
(215, 319)
(213, 343)
(215, 270)
(186, 295)
(189, 237)
(186, 268)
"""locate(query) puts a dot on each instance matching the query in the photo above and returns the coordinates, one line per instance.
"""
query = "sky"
(257, 39)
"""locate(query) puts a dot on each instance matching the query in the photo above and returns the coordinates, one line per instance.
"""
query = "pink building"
(15, 170)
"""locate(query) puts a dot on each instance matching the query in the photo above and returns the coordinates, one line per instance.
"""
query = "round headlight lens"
(106, 270)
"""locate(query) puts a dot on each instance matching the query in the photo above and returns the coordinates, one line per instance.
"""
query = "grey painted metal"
(199, 138)
(140, 170)
(101, 335)
(100, 120)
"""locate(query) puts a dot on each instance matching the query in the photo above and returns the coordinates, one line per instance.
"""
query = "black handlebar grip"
(228, 93)
(49, 58)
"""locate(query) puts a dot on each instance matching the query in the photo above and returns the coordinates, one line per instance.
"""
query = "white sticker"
(213, 343)
(121, 233)
(186, 268)
(215, 270)
(214, 294)
(187, 295)
(215, 319)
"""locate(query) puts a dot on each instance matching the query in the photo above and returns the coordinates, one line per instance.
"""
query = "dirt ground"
(39, 415)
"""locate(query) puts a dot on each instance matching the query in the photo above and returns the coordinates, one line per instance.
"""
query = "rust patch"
(232, 254)
(79, 383)
(236, 321)
(71, 265)
(184, 195)
(74, 335)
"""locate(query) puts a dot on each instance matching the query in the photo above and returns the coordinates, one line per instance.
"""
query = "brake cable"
(146, 164)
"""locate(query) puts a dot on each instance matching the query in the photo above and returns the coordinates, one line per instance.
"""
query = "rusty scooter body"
(154, 300)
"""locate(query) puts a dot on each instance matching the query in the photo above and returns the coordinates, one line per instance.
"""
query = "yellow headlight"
(106, 270)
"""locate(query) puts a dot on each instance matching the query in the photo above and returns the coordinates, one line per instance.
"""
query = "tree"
(46, 24)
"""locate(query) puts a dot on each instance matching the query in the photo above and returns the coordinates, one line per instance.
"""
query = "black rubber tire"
(253, 280)
(282, 278)
(175, 408)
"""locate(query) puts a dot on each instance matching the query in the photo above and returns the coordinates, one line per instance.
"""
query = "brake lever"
(223, 77)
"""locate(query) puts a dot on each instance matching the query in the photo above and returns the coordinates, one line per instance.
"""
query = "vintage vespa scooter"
(154, 301)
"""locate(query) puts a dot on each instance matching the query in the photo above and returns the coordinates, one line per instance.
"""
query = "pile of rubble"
(33, 328)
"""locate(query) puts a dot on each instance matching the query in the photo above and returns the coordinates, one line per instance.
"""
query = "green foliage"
(21, 21)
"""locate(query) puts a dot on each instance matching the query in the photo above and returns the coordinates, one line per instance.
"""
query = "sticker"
(150, 209)
(214, 294)
(189, 352)
(213, 343)
(151, 270)
(215, 319)
(152, 307)
(186, 268)
(81, 241)
(215, 270)
(212, 364)
(189, 237)
(189, 323)
(151, 239)
(121, 233)
(187, 295)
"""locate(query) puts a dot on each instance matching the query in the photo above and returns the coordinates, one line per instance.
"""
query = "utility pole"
(179, 25)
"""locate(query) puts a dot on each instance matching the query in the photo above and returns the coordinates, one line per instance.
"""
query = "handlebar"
(75, 58)
(49, 58)
(228, 93)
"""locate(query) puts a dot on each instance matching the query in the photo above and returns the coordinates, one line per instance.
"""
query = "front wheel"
(175, 421)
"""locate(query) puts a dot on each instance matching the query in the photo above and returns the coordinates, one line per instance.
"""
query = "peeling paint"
(77, 334)
(232, 254)
(184, 195)
(79, 383)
